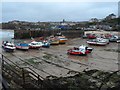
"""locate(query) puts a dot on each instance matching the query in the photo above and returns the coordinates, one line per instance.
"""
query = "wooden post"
(38, 80)
(23, 77)
(2, 61)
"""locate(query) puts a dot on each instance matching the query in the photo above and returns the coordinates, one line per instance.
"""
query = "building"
(111, 16)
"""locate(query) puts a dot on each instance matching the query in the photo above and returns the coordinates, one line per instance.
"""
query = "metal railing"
(22, 76)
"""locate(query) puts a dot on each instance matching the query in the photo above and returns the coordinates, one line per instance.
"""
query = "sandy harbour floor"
(56, 62)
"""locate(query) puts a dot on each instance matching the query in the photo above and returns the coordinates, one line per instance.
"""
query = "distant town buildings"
(93, 20)
(92, 24)
(111, 16)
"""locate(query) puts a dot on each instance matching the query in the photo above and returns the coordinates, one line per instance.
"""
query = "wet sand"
(56, 62)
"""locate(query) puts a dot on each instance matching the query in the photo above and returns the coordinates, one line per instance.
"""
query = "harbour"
(102, 57)
(60, 45)
(54, 62)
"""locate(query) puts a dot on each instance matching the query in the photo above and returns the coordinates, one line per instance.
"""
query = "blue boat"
(22, 46)
(45, 44)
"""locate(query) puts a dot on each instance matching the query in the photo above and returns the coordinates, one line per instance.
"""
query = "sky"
(56, 11)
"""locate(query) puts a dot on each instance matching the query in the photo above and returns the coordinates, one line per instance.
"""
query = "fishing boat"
(84, 36)
(62, 39)
(91, 36)
(35, 45)
(22, 46)
(108, 36)
(118, 40)
(8, 46)
(45, 43)
(81, 50)
(114, 38)
(53, 40)
(98, 41)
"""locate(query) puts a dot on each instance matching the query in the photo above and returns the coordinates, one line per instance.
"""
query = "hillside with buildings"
(110, 22)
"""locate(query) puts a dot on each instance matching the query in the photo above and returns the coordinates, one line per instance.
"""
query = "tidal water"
(6, 35)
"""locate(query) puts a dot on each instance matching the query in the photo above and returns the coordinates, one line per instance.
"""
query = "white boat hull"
(20, 47)
(97, 43)
(35, 45)
(9, 49)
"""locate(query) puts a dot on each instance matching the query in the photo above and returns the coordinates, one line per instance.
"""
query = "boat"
(53, 40)
(108, 36)
(35, 45)
(81, 50)
(22, 46)
(118, 40)
(45, 43)
(114, 38)
(91, 36)
(84, 36)
(98, 41)
(62, 39)
(8, 46)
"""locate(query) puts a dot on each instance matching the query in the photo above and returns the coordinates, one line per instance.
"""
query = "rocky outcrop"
(88, 80)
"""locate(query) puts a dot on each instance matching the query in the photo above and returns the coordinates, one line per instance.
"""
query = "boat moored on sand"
(46, 44)
(53, 40)
(91, 36)
(35, 45)
(62, 39)
(98, 41)
(81, 50)
(114, 38)
(8, 46)
(22, 46)
(118, 40)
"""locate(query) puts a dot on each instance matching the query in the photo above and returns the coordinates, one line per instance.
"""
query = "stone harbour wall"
(24, 34)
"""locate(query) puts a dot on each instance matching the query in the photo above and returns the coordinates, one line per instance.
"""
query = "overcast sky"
(57, 11)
